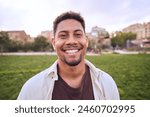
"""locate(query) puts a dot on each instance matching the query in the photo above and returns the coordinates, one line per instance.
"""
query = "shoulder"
(31, 86)
(109, 86)
(38, 86)
(104, 82)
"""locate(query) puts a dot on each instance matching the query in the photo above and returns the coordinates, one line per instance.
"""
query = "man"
(71, 77)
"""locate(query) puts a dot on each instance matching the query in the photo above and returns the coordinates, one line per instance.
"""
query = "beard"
(73, 63)
(76, 61)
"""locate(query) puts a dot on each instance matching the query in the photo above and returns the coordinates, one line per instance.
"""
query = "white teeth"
(71, 51)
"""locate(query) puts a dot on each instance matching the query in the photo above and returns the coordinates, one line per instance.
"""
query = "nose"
(71, 40)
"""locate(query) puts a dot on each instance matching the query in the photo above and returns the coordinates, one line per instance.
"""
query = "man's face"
(70, 42)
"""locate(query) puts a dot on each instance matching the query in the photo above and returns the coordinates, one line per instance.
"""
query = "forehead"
(69, 25)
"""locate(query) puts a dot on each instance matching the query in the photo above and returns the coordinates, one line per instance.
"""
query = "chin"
(74, 62)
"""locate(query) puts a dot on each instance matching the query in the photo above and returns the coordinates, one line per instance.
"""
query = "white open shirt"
(40, 86)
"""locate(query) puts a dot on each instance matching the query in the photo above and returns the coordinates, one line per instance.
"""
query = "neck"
(72, 74)
(73, 71)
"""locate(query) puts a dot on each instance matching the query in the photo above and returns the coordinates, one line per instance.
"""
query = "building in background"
(98, 39)
(99, 32)
(141, 30)
(47, 34)
(19, 36)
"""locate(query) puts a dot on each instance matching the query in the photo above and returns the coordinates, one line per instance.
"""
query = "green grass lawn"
(130, 72)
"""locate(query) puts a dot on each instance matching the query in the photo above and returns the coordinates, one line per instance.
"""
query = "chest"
(62, 91)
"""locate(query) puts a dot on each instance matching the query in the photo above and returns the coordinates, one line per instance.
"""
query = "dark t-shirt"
(62, 91)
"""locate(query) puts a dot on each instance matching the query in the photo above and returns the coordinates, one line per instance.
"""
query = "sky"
(34, 16)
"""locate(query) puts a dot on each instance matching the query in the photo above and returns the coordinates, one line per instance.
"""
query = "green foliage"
(130, 72)
(15, 46)
(121, 38)
(40, 44)
(27, 47)
(4, 41)
(103, 35)
(92, 45)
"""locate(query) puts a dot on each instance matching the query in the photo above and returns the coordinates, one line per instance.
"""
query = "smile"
(71, 51)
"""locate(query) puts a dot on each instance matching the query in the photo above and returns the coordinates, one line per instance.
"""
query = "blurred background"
(118, 34)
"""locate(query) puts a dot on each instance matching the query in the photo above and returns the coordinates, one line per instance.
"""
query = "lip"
(72, 51)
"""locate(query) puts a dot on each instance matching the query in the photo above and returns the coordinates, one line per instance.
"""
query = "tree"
(40, 44)
(4, 41)
(91, 45)
(15, 46)
(121, 38)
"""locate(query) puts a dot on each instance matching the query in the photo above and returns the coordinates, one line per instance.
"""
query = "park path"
(54, 53)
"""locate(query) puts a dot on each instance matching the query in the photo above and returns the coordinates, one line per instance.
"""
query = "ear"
(87, 42)
(53, 42)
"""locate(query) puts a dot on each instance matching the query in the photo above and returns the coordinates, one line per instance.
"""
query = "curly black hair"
(68, 15)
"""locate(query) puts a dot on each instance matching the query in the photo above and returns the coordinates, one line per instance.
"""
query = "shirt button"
(52, 74)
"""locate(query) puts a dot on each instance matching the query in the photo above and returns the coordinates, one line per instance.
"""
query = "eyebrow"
(64, 31)
(79, 30)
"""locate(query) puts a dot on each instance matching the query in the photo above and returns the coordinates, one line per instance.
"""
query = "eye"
(63, 36)
(78, 35)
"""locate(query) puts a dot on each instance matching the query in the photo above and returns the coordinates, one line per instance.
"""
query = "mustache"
(72, 46)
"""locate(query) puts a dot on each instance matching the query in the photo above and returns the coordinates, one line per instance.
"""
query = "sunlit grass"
(130, 72)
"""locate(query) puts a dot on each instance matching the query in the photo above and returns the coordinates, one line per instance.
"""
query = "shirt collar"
(52, 71)
(93, 69)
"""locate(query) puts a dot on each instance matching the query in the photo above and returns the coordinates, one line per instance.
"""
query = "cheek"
(58, 44)
(84, 43)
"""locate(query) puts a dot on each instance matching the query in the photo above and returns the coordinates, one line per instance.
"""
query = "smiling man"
(71, 77)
